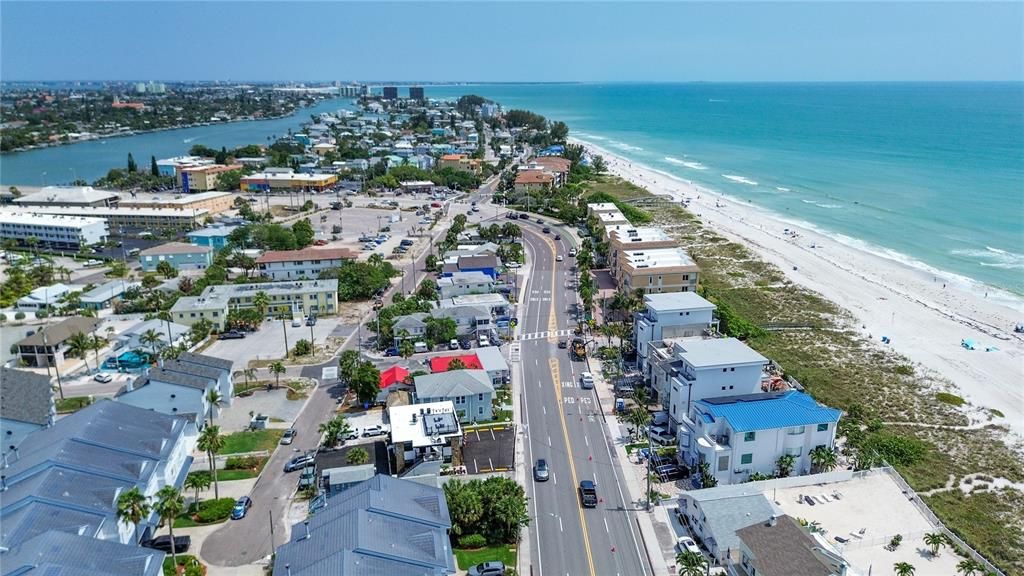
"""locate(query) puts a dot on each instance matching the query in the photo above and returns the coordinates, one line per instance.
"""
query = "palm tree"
(216, 400)
(935, 540)
(249, 374)
(357, 456)
(406, 348)
(132, 508)
(197, 481)
(785, 464)
(169, 504)
(969, 566)
(277, 368)
(261, 301)
(63, 273)
(903, 569)
(690, 563)
(211, 442)
(151, 338)
(823, 458)
(79, 344)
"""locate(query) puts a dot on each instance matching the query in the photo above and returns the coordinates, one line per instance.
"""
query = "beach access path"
(925, 314)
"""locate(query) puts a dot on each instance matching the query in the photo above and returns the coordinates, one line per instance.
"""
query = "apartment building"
(460, 162)
(606, 219)
(120, 219)
(747, 434)
(317, 297)
(305, 263)
(178, 254)
(463, 283)
(626, 237)
(203, 178)
(528, 181)
(670, 315)
(655, 271)
(60, 231)
(267, 181)
(212, 202)
(595, 208)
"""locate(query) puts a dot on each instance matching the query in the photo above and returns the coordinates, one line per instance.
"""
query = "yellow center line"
(557, 381)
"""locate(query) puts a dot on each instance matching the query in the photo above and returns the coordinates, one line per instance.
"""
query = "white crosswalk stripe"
(544, 334)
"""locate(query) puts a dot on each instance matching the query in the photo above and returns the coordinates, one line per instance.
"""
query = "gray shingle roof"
(783, 549)
(453, 383)
(724, 516)
(206, 360)
(384, 526)
(27, 396)
(199, 370)
(60, 332)
(179, 378)
(61, 554)
(414, 320)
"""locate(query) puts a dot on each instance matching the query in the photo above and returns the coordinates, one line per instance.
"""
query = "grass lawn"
(630, 448)
(467, 558)
(72, 404)
(229, 475)
(251, 441)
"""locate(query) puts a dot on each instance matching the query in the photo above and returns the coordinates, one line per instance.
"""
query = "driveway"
(272, 403)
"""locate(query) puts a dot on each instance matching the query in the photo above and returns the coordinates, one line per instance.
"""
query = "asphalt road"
(565, 427)
(248, 540)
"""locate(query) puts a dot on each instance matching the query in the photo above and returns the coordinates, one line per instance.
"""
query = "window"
(480, 410)
(746, 459)
(796, 431)
(460, 399)
(480, 397)
(723, 463)
(795, 451)
(732, 369)
(823, 427)
(749, 436)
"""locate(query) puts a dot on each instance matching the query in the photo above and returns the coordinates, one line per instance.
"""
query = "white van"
(420, 347)
(483, 340)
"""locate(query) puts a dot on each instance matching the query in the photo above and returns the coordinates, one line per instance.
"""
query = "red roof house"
(393, 375)
(440, 363)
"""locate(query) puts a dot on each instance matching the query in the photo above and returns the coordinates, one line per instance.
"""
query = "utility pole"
(46, 351)
(271, 513)
(312, 342)
(284, 328)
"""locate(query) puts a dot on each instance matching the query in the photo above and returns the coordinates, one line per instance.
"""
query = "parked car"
(289, 436)
(465, 344)
(586, 380)
(241, 508)
(308, 477)
(407, 242)
(311, 321)
(453, 344)
(392, 351)
(559, 258)
(163, 544)
(685, 544)
(299, 462)
(513, 265)
(320, 242)
(491, 568)
(435, 204)
(558, 236)
(372, 431)
(353, 434)
(420, 347)
(231, 335)
(103, 378)
(296, 322)
(540, 471)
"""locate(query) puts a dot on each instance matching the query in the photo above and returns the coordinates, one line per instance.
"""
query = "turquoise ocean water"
(928, 174)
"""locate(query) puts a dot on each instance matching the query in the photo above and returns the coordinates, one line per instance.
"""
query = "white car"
(586, 380)
(559, 258)
(513, 265)
(686, 544)
(103, 378)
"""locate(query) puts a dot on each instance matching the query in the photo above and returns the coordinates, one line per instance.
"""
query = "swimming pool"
(130, 360)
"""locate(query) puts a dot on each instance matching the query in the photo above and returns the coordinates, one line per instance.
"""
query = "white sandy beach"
(925, 314)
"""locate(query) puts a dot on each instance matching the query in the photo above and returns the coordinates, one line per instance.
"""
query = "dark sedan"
(163, 544)
(241, 508)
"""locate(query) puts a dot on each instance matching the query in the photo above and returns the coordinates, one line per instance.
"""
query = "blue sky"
(508, 41)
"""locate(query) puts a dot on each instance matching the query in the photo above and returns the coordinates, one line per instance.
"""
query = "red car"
(320, 243)
(435, 204)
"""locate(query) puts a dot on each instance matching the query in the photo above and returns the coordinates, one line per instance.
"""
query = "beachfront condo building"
(622, 237)
(50, 231)
(289, 299)
(657, 270)
(307, 263)
(670, 315)
(747, 434)
(610, 219)
(460, 162)
(533, 181)
(595, 208)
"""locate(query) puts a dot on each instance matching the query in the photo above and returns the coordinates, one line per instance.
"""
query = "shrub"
(214, 510)
(904, 370)
(242, 463)
(472, 541)
(19, 315)
(302, 348)
(42, 314)
(948, 398)
(896, 450)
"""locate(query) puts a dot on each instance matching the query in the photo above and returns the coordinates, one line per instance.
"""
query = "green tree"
(154, 170)
(211, 442)
(303, 348)
(357, 456)
(598, 165)
(151, 339)
(197, 481)
(440, 330)
(230, 180)
(431, 263)
(333, 428)
(132, 166)
(558, 132)
(464, 505)
(277, 368)
(823, 458)
(169, 504)
(132, 508)
(200, 330)
(215, 399)
(968, 567)
(261, 300)
(785, 465)
(303, 232)
(935, 540)
(456, 364)
(366, 382)
(690, 563)
(79, 345)
(118, 269)
(903, 569)
(348, 362)
(165, 269)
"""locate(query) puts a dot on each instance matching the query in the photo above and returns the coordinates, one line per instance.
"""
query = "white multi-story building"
(465, 283)
(55, 231)
(670, 315)
(746, 434)
(301, 264)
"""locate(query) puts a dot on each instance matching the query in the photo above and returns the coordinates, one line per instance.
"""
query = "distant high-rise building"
(156, 87)
(140, 87)
(391, 93)
(416, 92)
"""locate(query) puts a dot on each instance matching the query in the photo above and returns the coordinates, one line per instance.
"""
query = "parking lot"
(268, 341)
(490, 449)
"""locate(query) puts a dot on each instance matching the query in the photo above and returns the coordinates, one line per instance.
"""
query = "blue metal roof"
(770, 410)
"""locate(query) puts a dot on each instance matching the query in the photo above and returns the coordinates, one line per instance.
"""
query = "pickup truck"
(588, 494)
